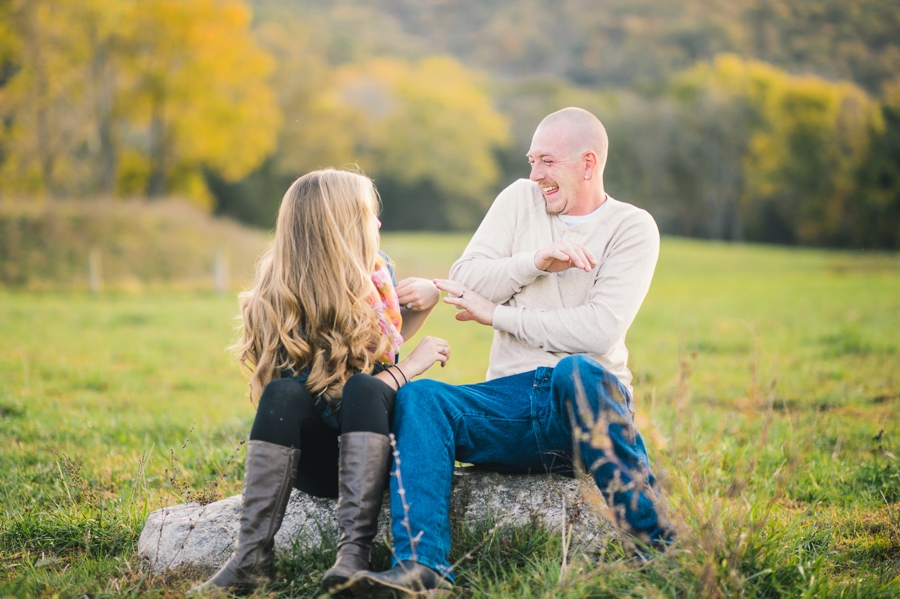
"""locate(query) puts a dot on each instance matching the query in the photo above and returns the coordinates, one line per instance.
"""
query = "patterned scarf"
(387, 306)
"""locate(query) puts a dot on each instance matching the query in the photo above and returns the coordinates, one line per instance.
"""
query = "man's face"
(556, 168)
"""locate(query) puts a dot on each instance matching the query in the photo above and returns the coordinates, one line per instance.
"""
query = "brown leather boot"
(269, 473)
(364, 464)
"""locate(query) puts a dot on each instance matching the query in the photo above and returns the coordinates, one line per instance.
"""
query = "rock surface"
(204, 536)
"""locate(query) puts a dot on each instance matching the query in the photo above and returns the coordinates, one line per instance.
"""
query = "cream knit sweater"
(544, 317)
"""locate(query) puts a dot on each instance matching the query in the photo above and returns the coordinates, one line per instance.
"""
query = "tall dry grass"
(46, 246)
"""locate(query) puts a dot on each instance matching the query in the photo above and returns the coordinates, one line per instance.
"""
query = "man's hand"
(563, 255)
(417, 294)
(471, 305)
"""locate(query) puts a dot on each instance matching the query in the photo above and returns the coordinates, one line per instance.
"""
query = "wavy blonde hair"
(308, 304)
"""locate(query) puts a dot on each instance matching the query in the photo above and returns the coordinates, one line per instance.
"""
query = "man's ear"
(589, 159)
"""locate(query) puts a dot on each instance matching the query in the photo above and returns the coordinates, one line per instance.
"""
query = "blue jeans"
(517, 424)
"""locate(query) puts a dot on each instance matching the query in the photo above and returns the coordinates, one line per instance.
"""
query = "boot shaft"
(365, 461)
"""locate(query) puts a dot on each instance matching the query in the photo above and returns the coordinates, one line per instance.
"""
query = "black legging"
(287, 416)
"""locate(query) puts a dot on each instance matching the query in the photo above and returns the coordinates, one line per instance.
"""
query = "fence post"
(95, 271)
(220, 272)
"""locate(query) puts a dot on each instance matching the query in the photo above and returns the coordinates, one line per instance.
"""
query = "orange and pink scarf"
(387, 306)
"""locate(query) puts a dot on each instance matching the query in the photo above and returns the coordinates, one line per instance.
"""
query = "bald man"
(559, 269)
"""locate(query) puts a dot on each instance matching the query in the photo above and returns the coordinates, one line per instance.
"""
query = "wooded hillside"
(761, 120)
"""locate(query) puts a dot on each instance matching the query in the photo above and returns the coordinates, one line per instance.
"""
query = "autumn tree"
(42, 100)
(802, 166)
(196, 95)
(101, 49)
(64, 60)
(425, 131)
(875, 213)
(428, 139)
(775, 155)
(317, 131)
(130, 96)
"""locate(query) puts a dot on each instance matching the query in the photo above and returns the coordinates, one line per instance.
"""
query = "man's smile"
(549, 189)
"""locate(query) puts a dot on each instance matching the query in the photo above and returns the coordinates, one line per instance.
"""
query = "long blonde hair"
(308, 305)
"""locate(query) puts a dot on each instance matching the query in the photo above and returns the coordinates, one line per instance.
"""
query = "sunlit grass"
(767, 384)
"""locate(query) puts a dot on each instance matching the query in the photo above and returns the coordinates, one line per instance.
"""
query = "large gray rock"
(203, 536)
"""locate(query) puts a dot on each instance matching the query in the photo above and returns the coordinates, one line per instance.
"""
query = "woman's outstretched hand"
(429, 351)
(417, 294)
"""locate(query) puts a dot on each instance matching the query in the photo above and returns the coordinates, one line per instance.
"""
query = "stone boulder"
(203, 536)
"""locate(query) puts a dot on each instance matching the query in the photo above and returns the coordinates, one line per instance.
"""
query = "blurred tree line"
(119, 97)
(758, 120)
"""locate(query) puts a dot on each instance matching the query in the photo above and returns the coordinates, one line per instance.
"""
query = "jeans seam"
(451, 422)
(542, 452)
(445, 515)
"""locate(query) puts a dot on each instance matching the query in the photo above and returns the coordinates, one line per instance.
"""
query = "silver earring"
(587, 177)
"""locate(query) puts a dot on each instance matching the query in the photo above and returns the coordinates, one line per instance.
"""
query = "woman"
(322, 325)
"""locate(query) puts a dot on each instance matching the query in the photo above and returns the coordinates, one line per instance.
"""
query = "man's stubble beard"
(550, 211)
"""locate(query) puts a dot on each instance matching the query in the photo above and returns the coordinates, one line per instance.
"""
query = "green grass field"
(767, 384)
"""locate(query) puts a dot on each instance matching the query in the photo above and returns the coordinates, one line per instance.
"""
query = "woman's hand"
(417, 297)
(417, 294)
(429, 351)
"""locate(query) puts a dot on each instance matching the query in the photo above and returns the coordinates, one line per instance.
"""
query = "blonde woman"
(322, 326)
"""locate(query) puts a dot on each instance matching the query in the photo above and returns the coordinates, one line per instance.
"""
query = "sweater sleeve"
(488, 265)
(621, 284)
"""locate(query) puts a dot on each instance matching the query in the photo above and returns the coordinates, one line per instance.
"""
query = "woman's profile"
(322, 325)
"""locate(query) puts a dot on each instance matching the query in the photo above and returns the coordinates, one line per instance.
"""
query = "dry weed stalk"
(598, 437)
(413, 540)
(718, 528)
(208, 495)
(210, 491)
(72, 469)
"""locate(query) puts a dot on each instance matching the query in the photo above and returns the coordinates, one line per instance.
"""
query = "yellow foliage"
(425, 120)
(892, 93)
(143, 88)
(134, 170)
(318, 131)
(202, 75)
(41, 105)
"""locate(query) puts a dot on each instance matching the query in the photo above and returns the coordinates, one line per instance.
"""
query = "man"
(558, 269)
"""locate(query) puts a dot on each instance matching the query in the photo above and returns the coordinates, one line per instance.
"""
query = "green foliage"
(429, 124)
(740, 150)
(876, 220)
(772, 430)
(782, 169)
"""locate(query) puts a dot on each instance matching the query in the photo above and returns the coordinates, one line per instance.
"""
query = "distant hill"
(619, 43)
(139, 244)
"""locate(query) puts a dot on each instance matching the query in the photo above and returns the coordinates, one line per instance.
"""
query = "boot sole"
(366, 587)
(337, 585)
